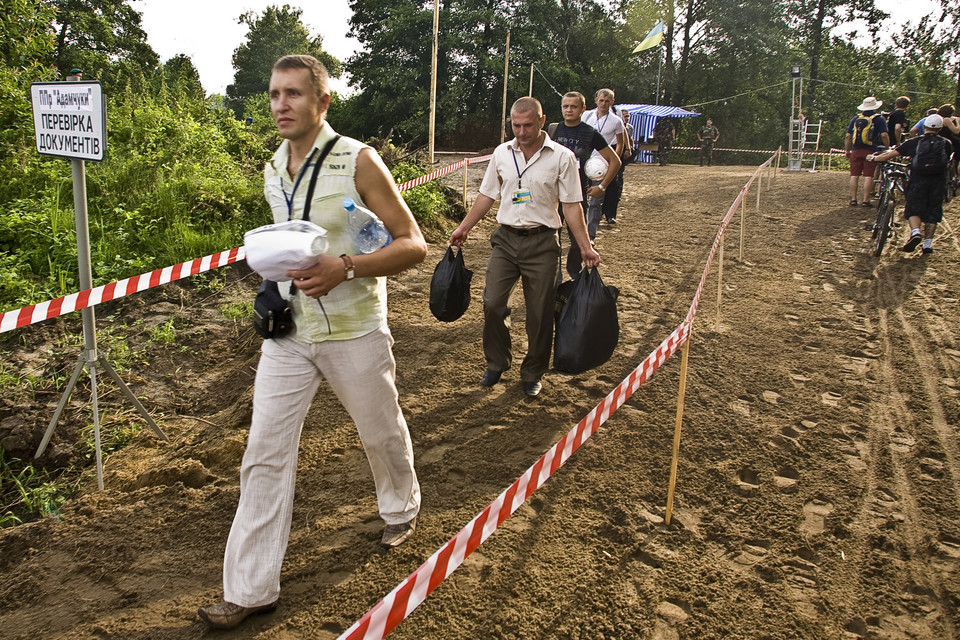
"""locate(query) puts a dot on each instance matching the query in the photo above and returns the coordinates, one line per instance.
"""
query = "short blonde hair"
(319, 77)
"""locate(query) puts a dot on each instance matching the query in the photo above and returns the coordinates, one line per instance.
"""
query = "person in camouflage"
(664, 132)
(707, 135)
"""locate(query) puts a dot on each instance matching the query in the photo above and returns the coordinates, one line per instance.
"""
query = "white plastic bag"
(274, 249)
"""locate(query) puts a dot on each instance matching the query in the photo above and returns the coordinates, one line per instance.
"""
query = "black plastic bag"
(450, 287)
(587, 326)
(272, 315)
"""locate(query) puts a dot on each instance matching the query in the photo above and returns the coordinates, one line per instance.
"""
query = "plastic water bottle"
(369, 232)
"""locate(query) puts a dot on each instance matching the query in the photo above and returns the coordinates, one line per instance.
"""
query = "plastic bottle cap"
(349, 204)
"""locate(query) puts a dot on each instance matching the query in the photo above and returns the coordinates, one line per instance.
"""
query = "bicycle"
(953, 180)
(893, 179)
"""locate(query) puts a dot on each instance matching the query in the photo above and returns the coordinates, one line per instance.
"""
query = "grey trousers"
(532, 260)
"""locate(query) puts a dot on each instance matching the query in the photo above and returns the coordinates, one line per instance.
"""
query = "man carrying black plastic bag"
(587, 325)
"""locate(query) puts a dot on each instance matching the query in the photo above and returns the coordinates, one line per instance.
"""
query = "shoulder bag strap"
(316, 172)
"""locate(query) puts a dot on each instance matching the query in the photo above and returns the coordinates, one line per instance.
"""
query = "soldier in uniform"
(707, 135)
(664, 133)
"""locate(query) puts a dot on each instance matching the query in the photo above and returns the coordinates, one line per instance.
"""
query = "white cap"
(933, 122)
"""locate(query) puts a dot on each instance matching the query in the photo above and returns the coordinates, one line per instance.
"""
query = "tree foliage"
(276, 32)
(571, 43)
(92, 34)
(182, 172)
(25, 43)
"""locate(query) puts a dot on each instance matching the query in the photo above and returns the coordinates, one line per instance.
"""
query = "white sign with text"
(70, 119)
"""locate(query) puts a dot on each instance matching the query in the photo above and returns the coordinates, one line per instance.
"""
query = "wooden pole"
(743, 214)
(433, 77)
(759, 184)
(676, 432)
(506, 70)
(465, 185)
(530, 93)
(719, 283)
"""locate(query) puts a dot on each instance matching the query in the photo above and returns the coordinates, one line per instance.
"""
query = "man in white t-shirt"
(605, 120)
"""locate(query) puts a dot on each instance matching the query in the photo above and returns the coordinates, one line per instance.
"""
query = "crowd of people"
(933, 147)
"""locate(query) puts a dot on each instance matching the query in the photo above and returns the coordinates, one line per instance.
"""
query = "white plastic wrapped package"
(595, 168)
(274, 249)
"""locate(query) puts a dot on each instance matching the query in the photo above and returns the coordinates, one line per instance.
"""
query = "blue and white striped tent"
(644, 118)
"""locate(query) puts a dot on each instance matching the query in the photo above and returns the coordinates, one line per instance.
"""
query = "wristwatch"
(601, 187)
(349, 272)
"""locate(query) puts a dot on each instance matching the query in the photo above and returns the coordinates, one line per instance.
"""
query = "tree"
(572, 43)
(92, 34)
(275, 33)
(183, 78)
(25, 45)
(815, 19)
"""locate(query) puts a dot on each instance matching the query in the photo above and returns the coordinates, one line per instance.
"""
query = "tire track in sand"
(901, 432)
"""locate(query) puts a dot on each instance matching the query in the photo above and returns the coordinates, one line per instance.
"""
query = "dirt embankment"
(818, 486)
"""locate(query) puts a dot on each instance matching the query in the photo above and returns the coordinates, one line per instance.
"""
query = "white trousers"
(362, 373)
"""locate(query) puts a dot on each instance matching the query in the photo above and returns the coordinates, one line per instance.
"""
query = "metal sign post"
(70, 121)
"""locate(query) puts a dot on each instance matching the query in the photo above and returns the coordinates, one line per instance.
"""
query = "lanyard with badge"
(521, 195)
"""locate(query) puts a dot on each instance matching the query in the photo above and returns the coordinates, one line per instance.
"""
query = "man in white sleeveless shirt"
(340, 335)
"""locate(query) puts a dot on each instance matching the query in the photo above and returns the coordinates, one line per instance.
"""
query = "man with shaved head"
(533, 177)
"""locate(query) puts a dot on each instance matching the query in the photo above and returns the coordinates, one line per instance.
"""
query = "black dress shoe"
(490, 378)
(532, 388)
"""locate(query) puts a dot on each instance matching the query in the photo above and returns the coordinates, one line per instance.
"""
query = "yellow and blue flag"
(653, 38)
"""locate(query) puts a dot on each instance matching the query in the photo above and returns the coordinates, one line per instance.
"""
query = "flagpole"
(654, 38)
(656, 99)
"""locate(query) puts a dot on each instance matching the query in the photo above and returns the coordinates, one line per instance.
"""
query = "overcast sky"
(208, 31)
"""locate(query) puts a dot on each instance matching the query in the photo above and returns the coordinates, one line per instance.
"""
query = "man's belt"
(527, 231)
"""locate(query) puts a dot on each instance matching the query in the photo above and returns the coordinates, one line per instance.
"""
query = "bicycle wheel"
(880, 207)
(883, 228)
(951, 191)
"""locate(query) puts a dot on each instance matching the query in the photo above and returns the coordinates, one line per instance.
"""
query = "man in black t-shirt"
(925, 190)
(897, 124)
(584, 141)
(664, 133)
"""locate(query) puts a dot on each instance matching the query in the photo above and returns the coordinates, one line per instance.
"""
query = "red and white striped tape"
(409, 594)
(75, 301)
(832, 152)
(34, 313)
(416, 182)
(722, 149)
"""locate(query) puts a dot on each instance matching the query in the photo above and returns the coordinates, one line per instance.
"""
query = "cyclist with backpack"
(866, 134)
(930, 153)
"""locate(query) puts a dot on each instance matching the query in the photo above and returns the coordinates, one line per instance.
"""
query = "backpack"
(863, 129)
(932, 155)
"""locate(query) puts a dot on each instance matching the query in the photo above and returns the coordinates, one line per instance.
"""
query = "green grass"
(28, 492)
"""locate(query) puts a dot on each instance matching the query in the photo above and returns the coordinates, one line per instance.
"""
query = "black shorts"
(925, 198)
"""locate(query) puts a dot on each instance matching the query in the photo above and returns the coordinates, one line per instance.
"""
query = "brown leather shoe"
(227, 615)
(396, 534)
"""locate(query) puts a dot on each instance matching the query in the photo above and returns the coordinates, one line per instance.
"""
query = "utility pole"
(506, 72)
